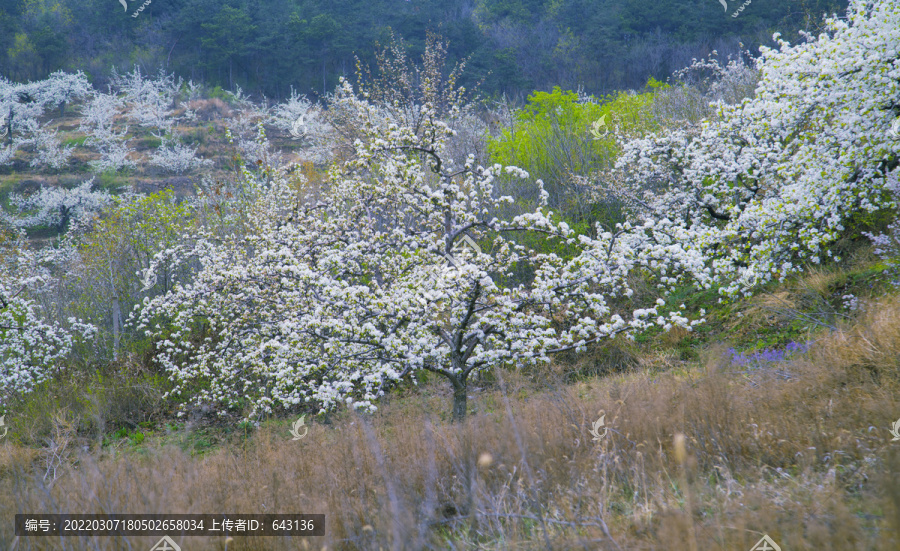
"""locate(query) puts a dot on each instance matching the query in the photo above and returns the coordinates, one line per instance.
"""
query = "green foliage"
(218, 93)
(136, 437)
(148, 142)
(76, 142)
(559, 136)
(111, 180)
(227, 36)
(118, 247)
(99, 401)
(554, 134)
(550, 118)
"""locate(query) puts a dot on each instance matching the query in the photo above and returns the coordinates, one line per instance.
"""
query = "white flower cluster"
(29, 347)
(304, 121)
(177, 158)
(850, 302)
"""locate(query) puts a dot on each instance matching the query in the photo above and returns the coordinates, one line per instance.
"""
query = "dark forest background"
(268, 46)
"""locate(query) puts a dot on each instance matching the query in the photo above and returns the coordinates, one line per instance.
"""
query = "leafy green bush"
(218, 93)
(560, 134)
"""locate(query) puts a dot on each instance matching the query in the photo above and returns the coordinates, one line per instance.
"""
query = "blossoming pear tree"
(335, 300)
(177, 157)
(22, 108)
(56, 206)
(151, 101)
(766, 185)
(98, 121)
(31, 343)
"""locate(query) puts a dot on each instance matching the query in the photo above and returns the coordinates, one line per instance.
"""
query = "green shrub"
(111, 180)
(76, 142)
(559, 135)
(219, 93)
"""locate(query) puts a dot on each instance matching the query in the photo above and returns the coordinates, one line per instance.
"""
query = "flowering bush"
(28, 345)
(177, 158)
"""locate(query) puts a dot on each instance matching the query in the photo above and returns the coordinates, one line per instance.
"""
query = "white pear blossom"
(31, 345)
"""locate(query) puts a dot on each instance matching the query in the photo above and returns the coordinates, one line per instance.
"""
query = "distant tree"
(305, 122)
(22, 106)
(98, 121)
(227, 35)
(177, 158)
(57, 206)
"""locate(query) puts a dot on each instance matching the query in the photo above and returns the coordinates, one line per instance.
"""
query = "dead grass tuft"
(869, 348)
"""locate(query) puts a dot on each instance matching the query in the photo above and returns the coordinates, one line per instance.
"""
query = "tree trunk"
(64, 215)
(116, 325)
(459, 401)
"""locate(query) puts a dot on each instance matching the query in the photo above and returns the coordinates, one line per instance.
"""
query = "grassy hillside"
(707, 447)
(709, 354)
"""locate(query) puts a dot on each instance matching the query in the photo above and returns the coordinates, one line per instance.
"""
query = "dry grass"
(210, 109)
(870, 349)
(807, 460)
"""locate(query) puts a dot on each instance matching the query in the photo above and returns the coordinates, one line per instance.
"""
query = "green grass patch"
(75, 142)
